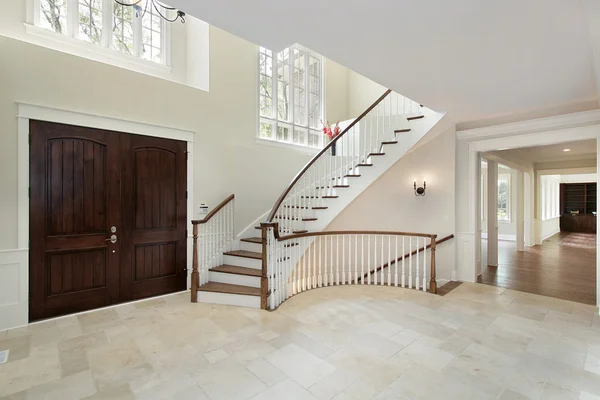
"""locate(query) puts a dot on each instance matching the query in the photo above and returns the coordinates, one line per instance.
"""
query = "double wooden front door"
(107, 218)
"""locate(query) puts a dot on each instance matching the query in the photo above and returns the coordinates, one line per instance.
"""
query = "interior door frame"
(27, 112)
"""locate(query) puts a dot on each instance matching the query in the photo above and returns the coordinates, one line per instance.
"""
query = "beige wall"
(227, 157)
(390, 204)
(362, 92)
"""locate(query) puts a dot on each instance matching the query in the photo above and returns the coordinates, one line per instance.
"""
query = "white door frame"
(537, 132)
(17, 313)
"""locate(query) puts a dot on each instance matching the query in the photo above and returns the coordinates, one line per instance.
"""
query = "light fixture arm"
(420, 191)
(157, 5)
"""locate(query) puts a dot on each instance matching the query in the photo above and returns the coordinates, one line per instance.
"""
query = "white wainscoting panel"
(14, 283)
(466, 268)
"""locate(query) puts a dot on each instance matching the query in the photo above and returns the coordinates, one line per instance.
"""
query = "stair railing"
(299, 262)
(215, 233)
(339, 160)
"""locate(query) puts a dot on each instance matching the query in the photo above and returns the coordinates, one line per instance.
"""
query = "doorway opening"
(107, 218)
(538, 220)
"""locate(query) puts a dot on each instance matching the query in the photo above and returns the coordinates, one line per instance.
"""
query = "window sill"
(80, 48)
(288, 146)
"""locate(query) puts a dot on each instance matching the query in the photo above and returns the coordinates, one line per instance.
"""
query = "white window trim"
(69, 43)
(275, 120)
(508, 218)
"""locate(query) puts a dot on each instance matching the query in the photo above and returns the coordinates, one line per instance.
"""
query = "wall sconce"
(420, 191)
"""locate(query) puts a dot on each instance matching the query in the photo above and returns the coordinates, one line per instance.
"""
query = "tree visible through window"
(108, 24)
(504, 198)
(290, 96)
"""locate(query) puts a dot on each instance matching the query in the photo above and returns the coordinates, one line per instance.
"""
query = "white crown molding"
(564, 121)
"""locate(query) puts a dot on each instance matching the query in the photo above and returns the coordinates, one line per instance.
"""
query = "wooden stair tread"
(365, 165)
(330, 197)
(320, 208)
(376, 154)
(303, 231)
(415, 117)
(245, 254)
(390, 142)
(310, 219)
(252, 240)
(230, 289)
(233, 269)
(341, 186)
(402, 130)
(351, 176)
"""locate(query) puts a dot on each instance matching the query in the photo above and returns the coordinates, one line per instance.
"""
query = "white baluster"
(343, 259)
(410, 263)
(320, 279)
(368, 259)
(417, 267)
(382, 259)
(396, 264)
(326, 279)
(424, 265)
(403, 253)
(375, 265)
(362, 259)
(356, 259)
(315, 282)
(389, 277)
(337, 260)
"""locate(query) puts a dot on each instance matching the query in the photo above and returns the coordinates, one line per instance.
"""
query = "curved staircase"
(365, 149)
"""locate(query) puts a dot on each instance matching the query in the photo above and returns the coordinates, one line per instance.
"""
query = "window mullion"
(137, 36)
(72, 18)
(107, 22)
(292, 92)
(306, 95)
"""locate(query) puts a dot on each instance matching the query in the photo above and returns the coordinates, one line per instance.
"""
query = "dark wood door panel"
(154, 216)
(74, 177)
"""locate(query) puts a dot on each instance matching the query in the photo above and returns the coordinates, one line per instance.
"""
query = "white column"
(528, 210)
(520, 210)
(475, 206)
(492, 216)
(538, 209)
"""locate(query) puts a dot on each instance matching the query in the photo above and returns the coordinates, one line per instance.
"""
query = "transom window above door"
(106, 23)
(291, 96)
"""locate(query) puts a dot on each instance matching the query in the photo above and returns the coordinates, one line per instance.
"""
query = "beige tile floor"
(342, 343)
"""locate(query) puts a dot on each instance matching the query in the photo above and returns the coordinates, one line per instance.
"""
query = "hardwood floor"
(563, 267)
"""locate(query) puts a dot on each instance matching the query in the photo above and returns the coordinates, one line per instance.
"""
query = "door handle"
(112, 239)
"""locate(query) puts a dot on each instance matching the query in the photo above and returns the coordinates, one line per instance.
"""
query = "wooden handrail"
(330, 233)
(319, 154)
(414, 252)
(214, 211)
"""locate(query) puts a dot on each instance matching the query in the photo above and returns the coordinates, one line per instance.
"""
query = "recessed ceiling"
(475, 59)
(580, 150)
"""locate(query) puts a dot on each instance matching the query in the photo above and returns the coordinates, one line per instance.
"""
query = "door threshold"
(97, 309)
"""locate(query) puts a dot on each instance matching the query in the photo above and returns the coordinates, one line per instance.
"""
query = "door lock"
(112, 239)
(113, 229)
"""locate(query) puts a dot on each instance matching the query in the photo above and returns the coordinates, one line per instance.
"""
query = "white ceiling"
(475, 59)
(580, 150)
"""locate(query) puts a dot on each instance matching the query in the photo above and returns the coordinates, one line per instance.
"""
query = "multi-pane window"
(504, 197)
(291, 96)
(106, 23)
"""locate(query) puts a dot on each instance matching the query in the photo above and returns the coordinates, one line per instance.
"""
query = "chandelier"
(141, 7)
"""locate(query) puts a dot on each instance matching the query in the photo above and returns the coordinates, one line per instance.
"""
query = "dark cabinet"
(578, 198)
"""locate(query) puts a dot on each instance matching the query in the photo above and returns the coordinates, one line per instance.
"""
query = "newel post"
(264, 282)
(433, 282)
(195, 278)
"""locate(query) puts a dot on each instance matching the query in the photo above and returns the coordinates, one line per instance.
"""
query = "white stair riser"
(242, 262)
(234, 279)
(257, 247)
(239, 300)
